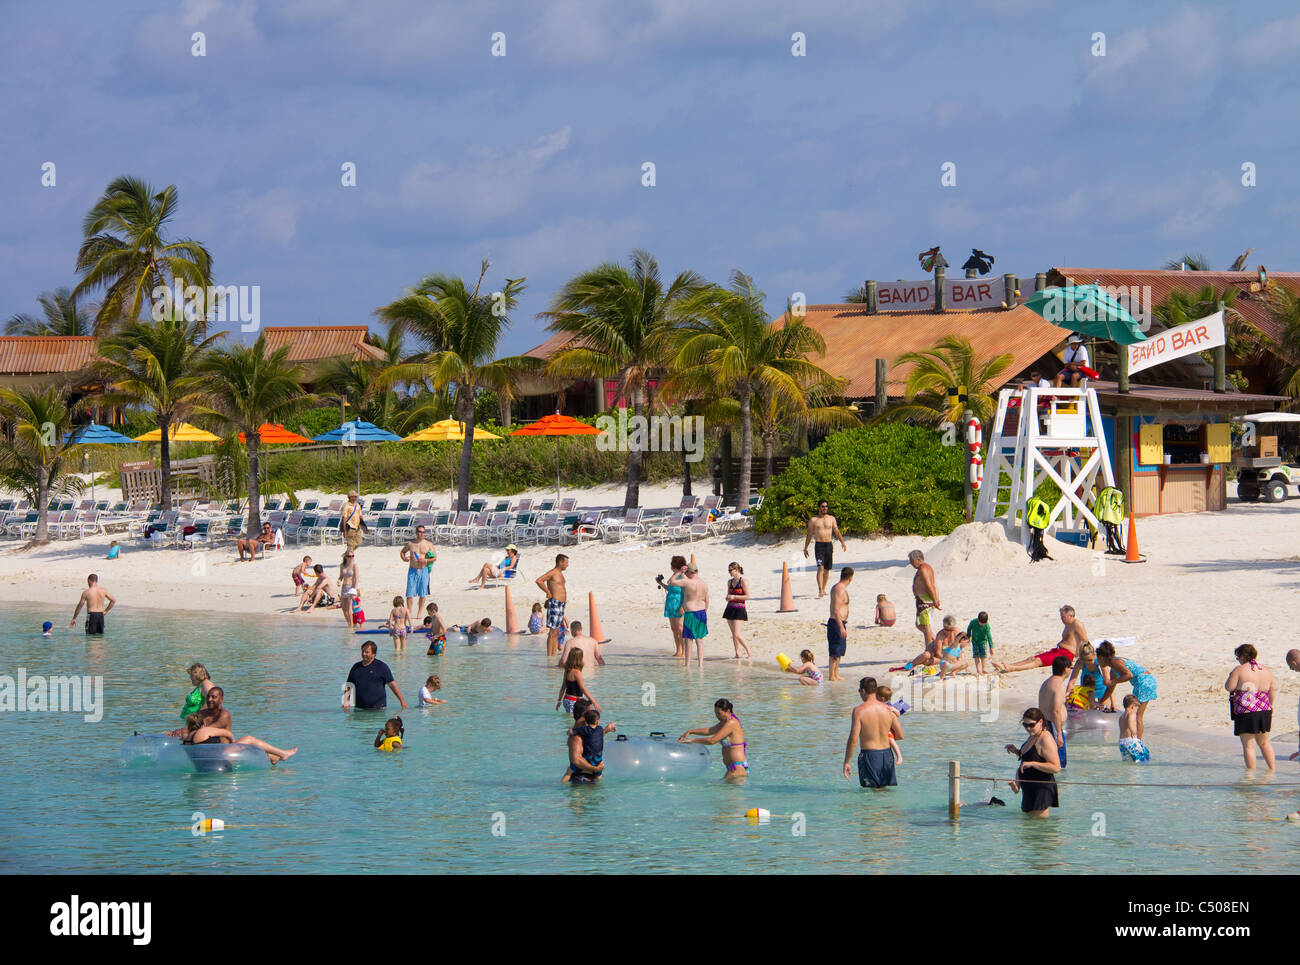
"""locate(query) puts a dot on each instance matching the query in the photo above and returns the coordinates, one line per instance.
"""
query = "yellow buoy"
(758, 816)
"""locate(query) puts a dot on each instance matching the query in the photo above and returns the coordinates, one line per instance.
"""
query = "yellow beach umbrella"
(180, 432)
(449, 430)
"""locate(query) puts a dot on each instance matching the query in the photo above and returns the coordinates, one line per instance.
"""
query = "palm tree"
(245, 386)
(620, 319)
(127, 253)
(36, 460)
(815, 412)
(61, 316)
(949, 364)
(156, 365)
(460, 330)
(1188, 262)
(727, 342)
(1187, 305)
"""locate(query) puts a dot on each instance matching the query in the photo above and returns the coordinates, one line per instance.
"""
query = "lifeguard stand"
(1041, 434)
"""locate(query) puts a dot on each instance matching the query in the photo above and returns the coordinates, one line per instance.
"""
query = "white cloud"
(565, 246)
(1271, 40)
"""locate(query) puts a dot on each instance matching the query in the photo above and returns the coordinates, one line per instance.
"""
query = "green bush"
(892, 478)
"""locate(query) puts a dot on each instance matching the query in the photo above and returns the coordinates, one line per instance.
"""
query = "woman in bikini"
(573, 687)
(200, 732)
(1250, 689)
(734, 614)
(727, 732)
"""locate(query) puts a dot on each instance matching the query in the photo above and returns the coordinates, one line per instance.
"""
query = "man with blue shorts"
(837, 627)
(419, 555)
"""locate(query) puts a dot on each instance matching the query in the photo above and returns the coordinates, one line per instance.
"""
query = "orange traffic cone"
(693, 566)
(1131, 555)
(594, 630)
(787, 591)
(512, 624)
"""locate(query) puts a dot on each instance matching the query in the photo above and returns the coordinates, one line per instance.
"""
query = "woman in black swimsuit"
(1039, 762)
(737, 594)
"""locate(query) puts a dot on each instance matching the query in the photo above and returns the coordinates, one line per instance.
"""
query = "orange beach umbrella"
(557, 425)
(274, 434)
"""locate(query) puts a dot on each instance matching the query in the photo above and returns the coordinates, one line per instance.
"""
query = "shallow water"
(490, 760)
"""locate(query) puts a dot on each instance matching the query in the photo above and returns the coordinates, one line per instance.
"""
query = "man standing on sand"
(823, 529)
(352, 525)
(1051, 701)
(837, 626)
(593, 654)
(419, 555)
(553, 584)
(871, 725)
(1072, 637)
(695, 610)
(93, 598)
(926, 593)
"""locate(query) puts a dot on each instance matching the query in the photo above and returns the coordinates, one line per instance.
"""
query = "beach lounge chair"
(523, 506)
(402, 506)
(306, 528)
(671, 527)
(310, 505)
(422, 506)
(477, 505)
(502, 506)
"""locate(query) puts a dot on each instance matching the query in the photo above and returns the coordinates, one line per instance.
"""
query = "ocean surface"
(476, 787)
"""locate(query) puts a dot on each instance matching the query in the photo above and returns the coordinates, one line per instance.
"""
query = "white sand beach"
(1211, 581)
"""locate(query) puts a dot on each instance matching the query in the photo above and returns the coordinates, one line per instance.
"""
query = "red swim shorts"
(1047, 656)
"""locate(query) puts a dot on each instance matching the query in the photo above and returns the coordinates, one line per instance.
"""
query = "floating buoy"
(211, 824)
(758, 816)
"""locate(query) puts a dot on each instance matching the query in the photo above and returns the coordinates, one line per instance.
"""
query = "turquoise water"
(493, 756)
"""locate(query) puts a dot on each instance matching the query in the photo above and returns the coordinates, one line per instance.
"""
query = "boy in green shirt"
(981, 641)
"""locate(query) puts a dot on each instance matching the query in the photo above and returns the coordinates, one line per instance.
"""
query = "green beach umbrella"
(1087, 309)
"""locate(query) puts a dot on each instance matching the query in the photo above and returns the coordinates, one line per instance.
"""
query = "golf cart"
(1261, 472)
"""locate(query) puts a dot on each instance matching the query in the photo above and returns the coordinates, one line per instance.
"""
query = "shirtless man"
(252, 545)
(823, 529)
(837, 627)
(1072, 637)
(926, 593)
(1051, 701)
(871, 726)
(419, 555)
(695, 610)
(321, 590)
(552, 583)
(93, 598)
(593, 654)
(213, 713)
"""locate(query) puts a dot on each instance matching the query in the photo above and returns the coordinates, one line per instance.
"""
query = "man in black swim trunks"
(93, 598)
(823, 529)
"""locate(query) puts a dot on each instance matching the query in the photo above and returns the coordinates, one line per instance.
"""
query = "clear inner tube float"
(172, 754)
(459, 638)
(654, 756)
(1093, 726)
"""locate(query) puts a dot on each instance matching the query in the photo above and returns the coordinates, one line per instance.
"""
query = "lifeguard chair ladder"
(1041, 434)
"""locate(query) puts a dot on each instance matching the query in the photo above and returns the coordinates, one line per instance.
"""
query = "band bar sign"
(962, 293)
(1173, 343)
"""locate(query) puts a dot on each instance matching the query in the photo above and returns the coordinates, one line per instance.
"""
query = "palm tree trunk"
(466, 455)
(254, 482)
(42, 504)
(767, 460)
(746, 447)
(165, 497)
(633, 499)
(686, 474)
(505, 412)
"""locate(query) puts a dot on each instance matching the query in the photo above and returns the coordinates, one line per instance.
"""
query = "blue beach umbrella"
(95, 435)
(358, 433)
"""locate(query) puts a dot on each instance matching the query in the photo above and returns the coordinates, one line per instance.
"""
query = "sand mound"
(977, 546)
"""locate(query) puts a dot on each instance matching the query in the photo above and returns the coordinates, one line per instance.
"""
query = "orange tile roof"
(316, 343)
(45, 354)
(854, 340)
(1251, 306)
(551, 346)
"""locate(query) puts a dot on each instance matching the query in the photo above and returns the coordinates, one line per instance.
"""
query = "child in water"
(885, 615)
(426, 692)
(807, 671)
(1131, 748)
(47, 629)
(883, 694)
(398, 620)
(535, 619)
(390, 738)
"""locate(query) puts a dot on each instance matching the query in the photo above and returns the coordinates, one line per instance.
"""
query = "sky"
(811, 173)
